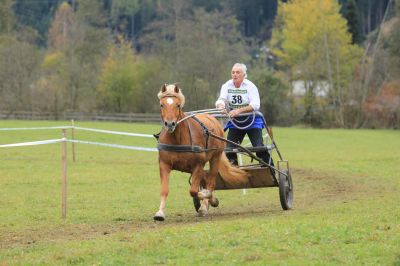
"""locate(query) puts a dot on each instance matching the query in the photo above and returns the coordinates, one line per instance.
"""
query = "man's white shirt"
(246, 95)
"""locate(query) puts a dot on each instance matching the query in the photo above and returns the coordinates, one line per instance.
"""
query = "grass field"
(346, 204)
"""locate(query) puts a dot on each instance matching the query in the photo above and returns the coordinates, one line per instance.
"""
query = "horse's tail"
(230, 174)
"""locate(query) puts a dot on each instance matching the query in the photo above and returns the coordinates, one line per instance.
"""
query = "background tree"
(274, 101)
(60, 62)
(311, 39)
(78, 43)
(18, 64)
(351, 13)
(197, 50)
(18, 70)
(381, 105)
(116, 88)
(123, 14)
(394, 43)
(6, 16)
(36, 15)
(89, 52)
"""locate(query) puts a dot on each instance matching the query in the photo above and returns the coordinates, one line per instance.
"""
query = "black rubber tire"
(197, 204)
(286, 190)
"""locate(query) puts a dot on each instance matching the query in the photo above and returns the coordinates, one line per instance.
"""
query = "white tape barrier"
(115, 132)
(81, 128)
(114, 145)
(51, 141)
(42, 142)
(34, 128)
(32, 143)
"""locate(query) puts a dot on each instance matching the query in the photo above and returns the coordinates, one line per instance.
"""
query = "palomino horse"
(185, 146)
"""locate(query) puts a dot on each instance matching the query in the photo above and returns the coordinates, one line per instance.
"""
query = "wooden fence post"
(64, 175)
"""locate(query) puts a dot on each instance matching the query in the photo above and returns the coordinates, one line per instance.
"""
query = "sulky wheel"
(286, 190)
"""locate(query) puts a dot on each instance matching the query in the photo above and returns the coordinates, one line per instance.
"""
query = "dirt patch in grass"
(311, 188)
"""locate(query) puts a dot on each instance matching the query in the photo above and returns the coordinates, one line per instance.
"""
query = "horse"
(188, 146)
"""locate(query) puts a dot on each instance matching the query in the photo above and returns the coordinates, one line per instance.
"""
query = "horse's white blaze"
(170, 101)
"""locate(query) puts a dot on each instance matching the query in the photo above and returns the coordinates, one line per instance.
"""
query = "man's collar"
(243, 82)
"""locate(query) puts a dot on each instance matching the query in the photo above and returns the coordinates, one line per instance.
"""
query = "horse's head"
(171, 104)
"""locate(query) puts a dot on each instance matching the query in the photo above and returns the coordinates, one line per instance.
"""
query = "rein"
(198, 112)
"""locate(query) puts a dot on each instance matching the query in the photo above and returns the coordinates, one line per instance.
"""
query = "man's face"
(237, 75)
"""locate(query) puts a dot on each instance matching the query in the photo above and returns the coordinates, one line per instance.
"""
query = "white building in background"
(299, 88)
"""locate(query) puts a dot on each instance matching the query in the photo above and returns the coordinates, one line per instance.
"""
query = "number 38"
(237, 99)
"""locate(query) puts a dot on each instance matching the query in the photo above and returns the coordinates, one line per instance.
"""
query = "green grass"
(345, 204)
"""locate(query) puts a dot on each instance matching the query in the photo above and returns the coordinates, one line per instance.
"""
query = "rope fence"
(63, 140)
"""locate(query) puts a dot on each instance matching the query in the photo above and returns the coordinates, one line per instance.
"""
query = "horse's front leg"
(165, 170)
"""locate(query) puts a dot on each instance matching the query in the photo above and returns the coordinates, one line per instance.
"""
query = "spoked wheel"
(286, 190)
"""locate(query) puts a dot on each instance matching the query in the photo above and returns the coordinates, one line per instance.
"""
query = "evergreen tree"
(352, 15)
(37, 15)
(394, 43)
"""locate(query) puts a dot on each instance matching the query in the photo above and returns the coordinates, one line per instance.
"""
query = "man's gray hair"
(242, 67)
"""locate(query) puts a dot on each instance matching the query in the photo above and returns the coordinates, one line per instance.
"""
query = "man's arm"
(242, 110)
(223, 96)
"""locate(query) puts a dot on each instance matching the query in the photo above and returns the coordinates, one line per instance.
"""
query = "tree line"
(113, 55)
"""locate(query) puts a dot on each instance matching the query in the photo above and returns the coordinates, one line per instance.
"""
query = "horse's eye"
(161, 106)
(179, 106)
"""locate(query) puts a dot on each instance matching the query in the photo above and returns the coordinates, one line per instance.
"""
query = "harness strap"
(206, 131)
(180, 148)
(190, 133)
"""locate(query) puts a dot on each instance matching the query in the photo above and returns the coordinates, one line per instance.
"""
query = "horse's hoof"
(159, 216)
(204, 194)
(214, 202)
(202, 213)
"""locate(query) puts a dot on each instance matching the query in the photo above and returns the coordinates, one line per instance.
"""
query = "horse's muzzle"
(170, 126)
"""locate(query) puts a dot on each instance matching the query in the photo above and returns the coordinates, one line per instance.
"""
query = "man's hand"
(234, 113)
(221, 106)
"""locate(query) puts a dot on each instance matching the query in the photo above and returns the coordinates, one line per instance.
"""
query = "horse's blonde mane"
(171, 90)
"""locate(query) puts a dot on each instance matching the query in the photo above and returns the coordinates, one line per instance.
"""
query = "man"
(242, 96)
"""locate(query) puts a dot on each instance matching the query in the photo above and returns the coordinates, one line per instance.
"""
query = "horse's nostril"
(173, 124)
(165, 123)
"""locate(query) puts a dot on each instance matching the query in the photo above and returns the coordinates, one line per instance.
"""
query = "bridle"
(180, 109)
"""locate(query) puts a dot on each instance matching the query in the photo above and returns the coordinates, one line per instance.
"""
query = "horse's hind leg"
(198, 177)
(164, 178)
(211, 179)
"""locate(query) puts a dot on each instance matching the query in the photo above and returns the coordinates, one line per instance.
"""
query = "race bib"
(238, 98)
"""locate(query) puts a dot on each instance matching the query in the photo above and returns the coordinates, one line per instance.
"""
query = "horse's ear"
(176, 89)
(164, 88)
